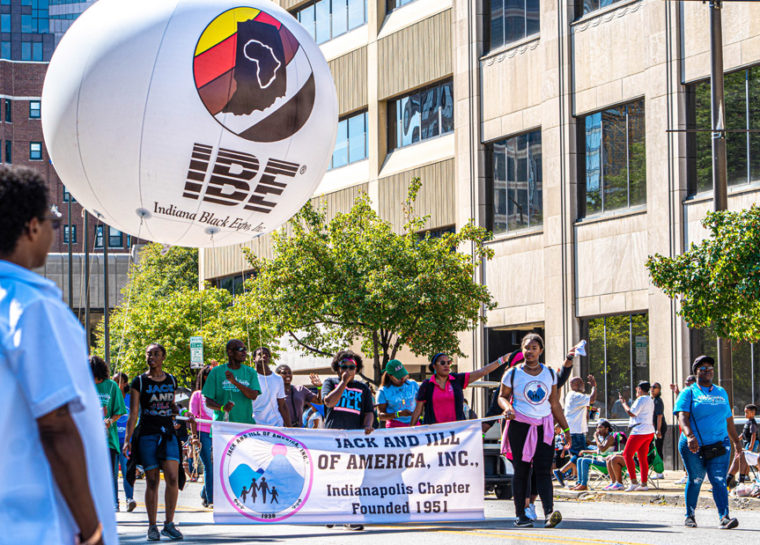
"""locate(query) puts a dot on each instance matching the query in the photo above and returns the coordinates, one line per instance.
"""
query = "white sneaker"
(641, 488)
(632, 487)
(682, 480)
(657, 476)
(530, 511)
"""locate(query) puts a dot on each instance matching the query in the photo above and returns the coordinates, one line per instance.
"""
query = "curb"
(652, 498)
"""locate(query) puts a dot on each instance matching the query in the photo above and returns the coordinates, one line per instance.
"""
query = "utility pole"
(85, 240)
(106, 336)
(71, 257)
(719, 163)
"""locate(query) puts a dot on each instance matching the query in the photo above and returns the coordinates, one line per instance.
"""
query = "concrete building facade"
(564, 141)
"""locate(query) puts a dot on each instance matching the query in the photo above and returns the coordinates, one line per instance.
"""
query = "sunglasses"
(347, 364)
(240, 349)
(444, 362)
(704, 369)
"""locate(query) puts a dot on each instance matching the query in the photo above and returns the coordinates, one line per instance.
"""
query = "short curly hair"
(347, 354)
(23, 196)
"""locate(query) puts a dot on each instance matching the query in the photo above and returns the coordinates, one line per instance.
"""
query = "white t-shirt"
(43, 366)
(575, 411)
(643, 408)
(530, 395)
(265, 408)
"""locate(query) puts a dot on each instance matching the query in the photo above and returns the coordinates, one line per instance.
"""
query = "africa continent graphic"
(253, 76)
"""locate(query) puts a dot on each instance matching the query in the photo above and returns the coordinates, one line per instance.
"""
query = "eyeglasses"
(240, 349)
(444, 362)
(705, 369)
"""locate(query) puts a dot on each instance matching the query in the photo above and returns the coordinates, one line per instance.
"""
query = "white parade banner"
(291, 475)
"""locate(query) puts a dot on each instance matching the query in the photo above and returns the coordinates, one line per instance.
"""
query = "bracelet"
(566, 430)
(397, 415)
(319, 387)
(94, 538)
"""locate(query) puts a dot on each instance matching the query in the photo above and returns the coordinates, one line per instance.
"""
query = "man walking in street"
(231, 388)
(269, 408)
(55, 479)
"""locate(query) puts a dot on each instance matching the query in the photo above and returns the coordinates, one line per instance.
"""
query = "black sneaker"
(131, 505)
(727, 523)
(354, 527)
(690, 522)
(170, 531)
(524, 522)
(153, 533)
(559, 477)
(553, 519)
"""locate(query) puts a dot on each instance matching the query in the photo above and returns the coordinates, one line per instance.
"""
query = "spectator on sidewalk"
(640, 435)
(658, 420)
(605, 442)
(122, 380)
(576, 414)
(112, 403)
(269, 407)
(231, 388)
(704, 413)
(54, 475)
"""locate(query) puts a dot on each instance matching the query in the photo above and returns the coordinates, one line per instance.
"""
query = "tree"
(718, 280)
(354, 278)
(162, 303)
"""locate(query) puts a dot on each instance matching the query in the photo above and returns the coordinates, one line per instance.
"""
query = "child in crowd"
(561, 447)
(749, 443)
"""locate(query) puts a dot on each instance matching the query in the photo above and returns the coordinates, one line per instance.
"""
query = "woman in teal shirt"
(396, 398)
(704, 414)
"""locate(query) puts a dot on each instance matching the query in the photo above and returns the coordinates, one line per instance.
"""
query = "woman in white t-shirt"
(530, 403)
(640, 435)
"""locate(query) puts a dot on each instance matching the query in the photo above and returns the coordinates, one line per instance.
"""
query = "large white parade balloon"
(190, 122)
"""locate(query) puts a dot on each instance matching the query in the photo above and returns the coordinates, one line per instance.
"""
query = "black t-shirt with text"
(156, 402)
(354, 404)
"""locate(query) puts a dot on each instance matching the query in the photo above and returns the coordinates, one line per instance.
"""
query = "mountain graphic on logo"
(279, 475)
(536, 395)
(253, 76)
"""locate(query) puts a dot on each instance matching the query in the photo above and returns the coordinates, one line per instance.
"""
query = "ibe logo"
(231, 180)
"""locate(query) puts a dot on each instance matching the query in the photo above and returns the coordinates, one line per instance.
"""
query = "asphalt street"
(585, 523)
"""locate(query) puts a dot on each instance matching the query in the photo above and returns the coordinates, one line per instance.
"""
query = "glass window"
(34, 109)
(618, 357)
(742, 96)
(5, 50)
(582, 7)
(421, 115)
(36, 51)
(306, 18)
(393, 4)
(512, 20)
(8, 152)
(8, 110)
(745, 364)
(327, 19)
(351, 142)
(73, 234)
(5, 22)
(612, 158)
(340, 155)
(27, 24)
(98, 236)
(26, 51)
(35, 151)
(516, 185)
(67, 196)
(115, 238)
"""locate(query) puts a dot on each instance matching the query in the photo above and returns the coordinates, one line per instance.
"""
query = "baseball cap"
(396, 369)
(701, 360)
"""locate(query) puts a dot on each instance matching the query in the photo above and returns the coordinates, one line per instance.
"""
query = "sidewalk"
(668, 493)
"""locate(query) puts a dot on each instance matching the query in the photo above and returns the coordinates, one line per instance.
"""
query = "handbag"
(706, 452)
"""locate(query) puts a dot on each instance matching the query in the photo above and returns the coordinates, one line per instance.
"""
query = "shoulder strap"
(512, 378)
(691, 414)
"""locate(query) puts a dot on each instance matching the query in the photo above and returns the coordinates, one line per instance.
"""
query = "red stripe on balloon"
(289, 44)
(216, 94)
(214, 62)
(268, 19)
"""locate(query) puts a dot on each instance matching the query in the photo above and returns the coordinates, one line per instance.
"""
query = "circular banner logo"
(253, 76)
(535, 392)
(265, 475)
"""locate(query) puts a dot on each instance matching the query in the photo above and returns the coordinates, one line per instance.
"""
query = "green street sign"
(196, 352)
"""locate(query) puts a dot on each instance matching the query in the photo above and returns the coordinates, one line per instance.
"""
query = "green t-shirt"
(113, 404)
(222, 391)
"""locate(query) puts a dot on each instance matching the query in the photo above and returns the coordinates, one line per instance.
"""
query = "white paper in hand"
(580, 348)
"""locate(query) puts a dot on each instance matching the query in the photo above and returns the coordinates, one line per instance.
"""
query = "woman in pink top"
(202, 435)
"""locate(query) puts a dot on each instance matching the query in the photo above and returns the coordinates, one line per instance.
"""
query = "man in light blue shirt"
(55, 484)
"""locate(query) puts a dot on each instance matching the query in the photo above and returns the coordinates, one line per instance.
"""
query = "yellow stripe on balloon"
(223, 27)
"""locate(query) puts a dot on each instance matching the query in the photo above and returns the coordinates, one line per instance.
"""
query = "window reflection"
(424, 114)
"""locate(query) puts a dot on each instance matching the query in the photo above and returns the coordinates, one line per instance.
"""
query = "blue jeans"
(584, 467)
(577, 444)
(128, 490)
(716, 470)
(207, 493)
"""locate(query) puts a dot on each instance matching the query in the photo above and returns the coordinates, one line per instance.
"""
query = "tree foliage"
(718, 280)
(353, 278)
(162, 303)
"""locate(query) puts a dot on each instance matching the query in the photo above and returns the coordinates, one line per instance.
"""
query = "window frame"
(118, 238)
(313, 6)
(582, 152)
(65, 232)
(38, 109)
(488, 43)
(35, 156)
(349, 159)
(392, 123)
